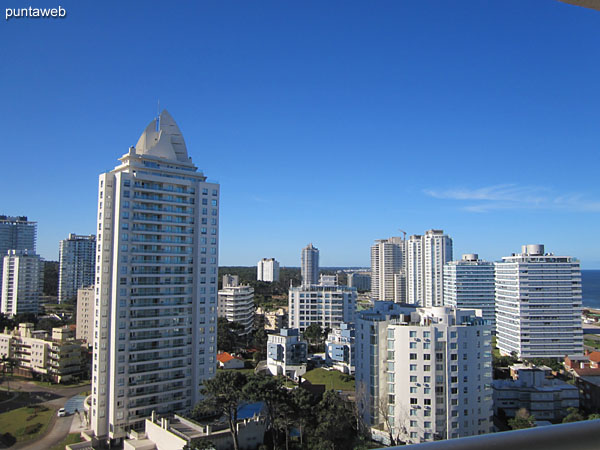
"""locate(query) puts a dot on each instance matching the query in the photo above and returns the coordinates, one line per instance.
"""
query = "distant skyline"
(336, 123)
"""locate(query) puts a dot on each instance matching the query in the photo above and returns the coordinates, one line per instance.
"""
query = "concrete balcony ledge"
(582, 435)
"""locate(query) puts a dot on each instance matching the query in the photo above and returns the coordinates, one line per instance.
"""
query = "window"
(413, 390)
(413, 378)
(413, 412)
(413, 367)
(426, 334)
(413, 334)
(426, 379)
(413, 345)
(413, 423)
(413, 401)
(413, 356)
(427, 368)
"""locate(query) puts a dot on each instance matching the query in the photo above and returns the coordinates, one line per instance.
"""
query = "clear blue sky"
(332, 122)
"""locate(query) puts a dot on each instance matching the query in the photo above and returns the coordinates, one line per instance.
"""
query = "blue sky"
(334, 122)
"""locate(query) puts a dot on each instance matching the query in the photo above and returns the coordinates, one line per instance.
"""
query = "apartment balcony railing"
(572, 436)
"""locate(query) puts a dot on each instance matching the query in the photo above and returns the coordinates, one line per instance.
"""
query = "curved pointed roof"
(166, 143)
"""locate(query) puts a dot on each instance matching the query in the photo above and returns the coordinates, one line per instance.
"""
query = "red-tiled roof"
(224, 357)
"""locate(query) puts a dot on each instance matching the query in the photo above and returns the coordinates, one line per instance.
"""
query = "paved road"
(54, 398)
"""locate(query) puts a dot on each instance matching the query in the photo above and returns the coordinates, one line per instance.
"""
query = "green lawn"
(72, 438)
(591, 342)
(332, 379)
(26, 423)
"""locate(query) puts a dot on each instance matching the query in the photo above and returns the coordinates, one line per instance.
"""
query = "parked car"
(62, 412)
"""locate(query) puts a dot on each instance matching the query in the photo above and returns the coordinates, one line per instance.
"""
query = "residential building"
(470, 284)
(77, 264)
(538, 304)
(177, 432)
(424, 374)
(388, 276)
(156, 283)
(287, 353)
(339, 348)
(56, 357)
(267, 270)
(536, 390)
(425, 259)
(361, 281)
(326, 304)
(85, 315)
(272, 320)
(310, 265)
(227, 361)
(22, 282)
(236, 303)
(16, 233)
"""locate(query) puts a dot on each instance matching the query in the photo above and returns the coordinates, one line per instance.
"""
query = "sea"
(590, 285)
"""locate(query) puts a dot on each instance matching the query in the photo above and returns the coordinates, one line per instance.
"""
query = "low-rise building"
(339, 348)
(176, 433)
(272, 320)
(287, 353)
(227, 361)
(57, 357)
(536, 390)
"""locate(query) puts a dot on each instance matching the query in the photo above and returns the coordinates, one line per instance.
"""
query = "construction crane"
(403, 233)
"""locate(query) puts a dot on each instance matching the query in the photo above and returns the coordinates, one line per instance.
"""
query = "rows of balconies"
(164, 209)
(143, 368)
(162, 218)
(145, 228)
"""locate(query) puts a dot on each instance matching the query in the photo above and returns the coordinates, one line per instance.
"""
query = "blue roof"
(249, 410)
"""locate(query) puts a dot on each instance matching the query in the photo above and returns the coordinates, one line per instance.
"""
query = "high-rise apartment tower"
(77, 255)
(156, 283)
(310, 265)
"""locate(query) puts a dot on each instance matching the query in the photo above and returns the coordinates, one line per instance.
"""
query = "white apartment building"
(156, 283)
(326, 304)
(286, 353)
(16, 233)
(388, 275)
(425, 259)
(470, 284)
(236, 303)
(85, 314)
(309, 265)
(538, 304)
(267, 269)
(77, 265)
(22, 282)
(360, 280)
(56, 357)
(424, 374)
(339, 348)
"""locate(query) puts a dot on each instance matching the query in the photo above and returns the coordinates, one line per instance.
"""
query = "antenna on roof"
(158, 116)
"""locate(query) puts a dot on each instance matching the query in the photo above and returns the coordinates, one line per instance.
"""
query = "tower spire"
(158, 116)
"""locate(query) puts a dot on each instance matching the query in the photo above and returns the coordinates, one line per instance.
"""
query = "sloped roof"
(164, 141)
(224, 357)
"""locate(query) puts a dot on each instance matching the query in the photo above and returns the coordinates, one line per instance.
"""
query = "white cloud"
(513, 196)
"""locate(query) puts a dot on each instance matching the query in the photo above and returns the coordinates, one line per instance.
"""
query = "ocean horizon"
(590, 285)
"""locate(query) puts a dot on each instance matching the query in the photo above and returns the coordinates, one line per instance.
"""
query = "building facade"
(56, 357)
(339, 348)
(85, 315)
(236, 303)
(326, 304)
(156, 283)
(16, 233)
(22, 282)
(426, 256)
(470, 284)
(77, 265)
(310, 265)
(267, 270)
(388, 275)
(536, 390)
(424, 374)
(361, 281)
(287, 353)
(538, 304)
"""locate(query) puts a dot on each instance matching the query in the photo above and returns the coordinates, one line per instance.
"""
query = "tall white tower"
(310, 265)
(538, 304)
(425, 259)
(156, 283)
(388, 276)
(77, 258)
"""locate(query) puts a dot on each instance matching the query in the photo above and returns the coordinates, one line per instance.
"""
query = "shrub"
(33, 428)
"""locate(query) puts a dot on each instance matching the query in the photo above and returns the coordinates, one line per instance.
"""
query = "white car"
(62, 412)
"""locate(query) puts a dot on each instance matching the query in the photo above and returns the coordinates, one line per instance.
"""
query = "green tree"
(521, 420)
(335, 423)
(228, 335)
(573, 415)
(313, 334)
(51, 278)
(594, 416)
(223, 394)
